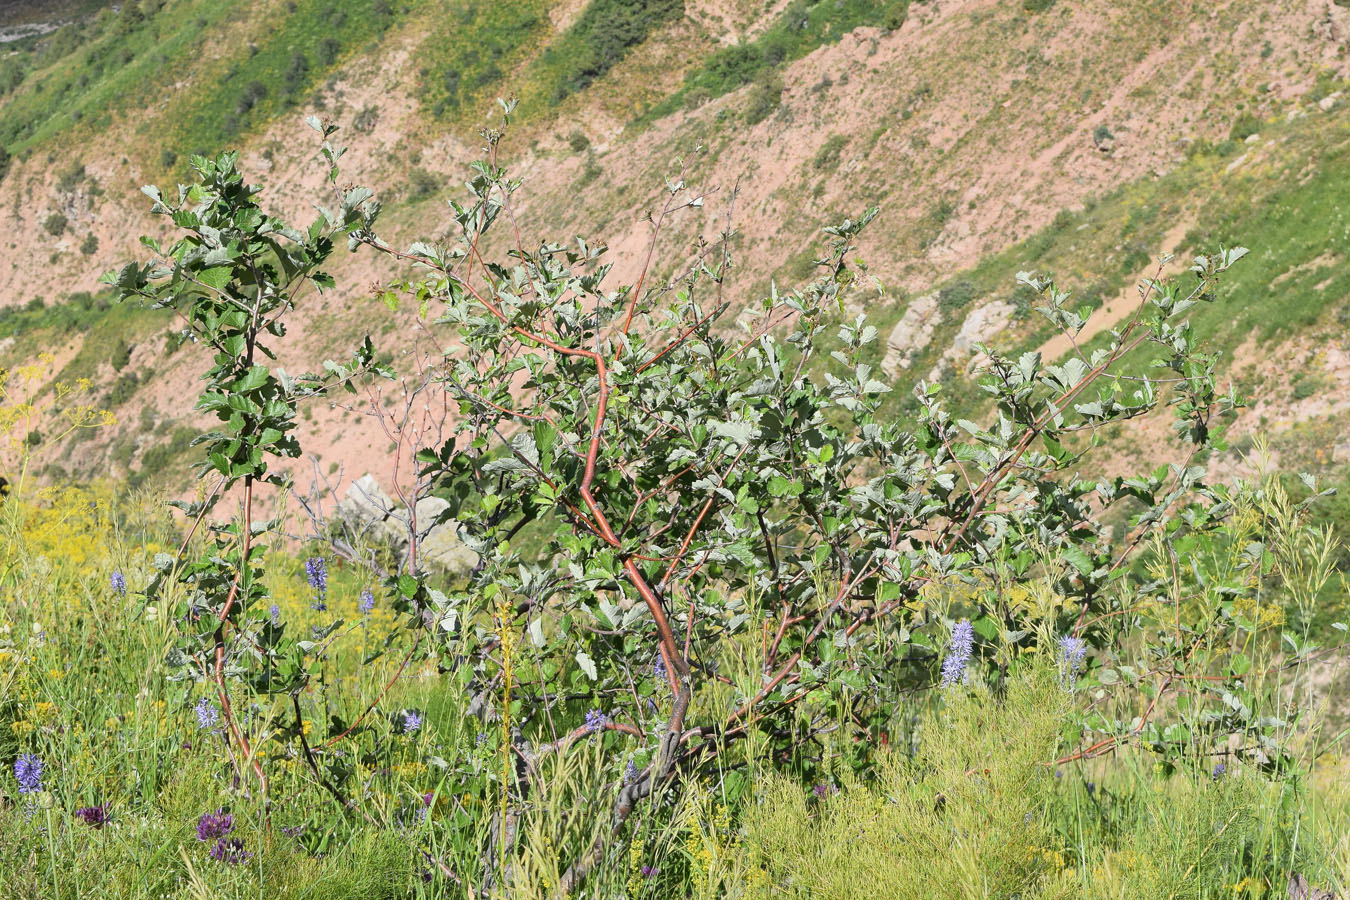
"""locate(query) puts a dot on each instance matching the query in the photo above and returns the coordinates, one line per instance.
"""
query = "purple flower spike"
(958, 654)
(28, 772)
(367, 602)
(118, 583)
(596, 720)
(1072, 652)
(208, 717)
(230, 851)
(316, 572)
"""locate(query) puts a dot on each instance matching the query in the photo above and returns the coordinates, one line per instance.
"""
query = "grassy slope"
(184, 78)
(192, 64)
(1289, 206)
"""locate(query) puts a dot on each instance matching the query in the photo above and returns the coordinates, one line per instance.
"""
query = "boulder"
(911, 334)
(369, 512)
(981, 325)
(365, 505)
(442, 549)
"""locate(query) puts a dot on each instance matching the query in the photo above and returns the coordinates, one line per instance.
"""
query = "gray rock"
(911, 334)
(981, 325)
(369, 512)
(428, 510)
(442, 549)
(365, 505)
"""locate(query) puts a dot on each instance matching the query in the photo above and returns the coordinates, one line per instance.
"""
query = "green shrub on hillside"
(800, 28)
(600, 38)
(468, 50)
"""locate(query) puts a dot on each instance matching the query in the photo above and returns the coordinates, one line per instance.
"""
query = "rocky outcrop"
(373, 518)
(911, 334)
(979, 328)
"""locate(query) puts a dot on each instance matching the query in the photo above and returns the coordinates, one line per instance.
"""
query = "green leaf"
(1078, 559)
(216, 277)
(587, 665)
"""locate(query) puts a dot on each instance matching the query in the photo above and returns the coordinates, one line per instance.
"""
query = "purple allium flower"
(214, 826)
(428, 798)
(649, 871)
(118, 582)
(958, 654)
(28, 772)
(275, 612)
(1219, 769)
(93, 816)
(596, 720)
(367, 602)
(822, 791)
(208, 716)
(230, 851)
(412, 720)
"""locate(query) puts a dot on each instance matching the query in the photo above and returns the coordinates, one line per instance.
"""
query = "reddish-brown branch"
(226, 708)
(383, 691)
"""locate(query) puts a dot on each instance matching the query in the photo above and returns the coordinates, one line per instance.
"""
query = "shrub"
(366, 120)
(296, 76)
(55, 224)
(253, 94)
(328, 50)
(955, 297)
(764, 99)
(827, 157)
(121, 356)
(1244, 126)
(691, 545)
(602, 36)
(89, 246)
(422, 184)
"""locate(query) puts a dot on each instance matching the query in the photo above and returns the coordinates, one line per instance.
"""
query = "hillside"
(1096, 137)
(674, 449)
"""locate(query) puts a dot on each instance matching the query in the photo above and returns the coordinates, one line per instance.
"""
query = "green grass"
(469, 49)
(604, 33)
(976, 812)
(799, 29)
(1292, 214)
(243, 65)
